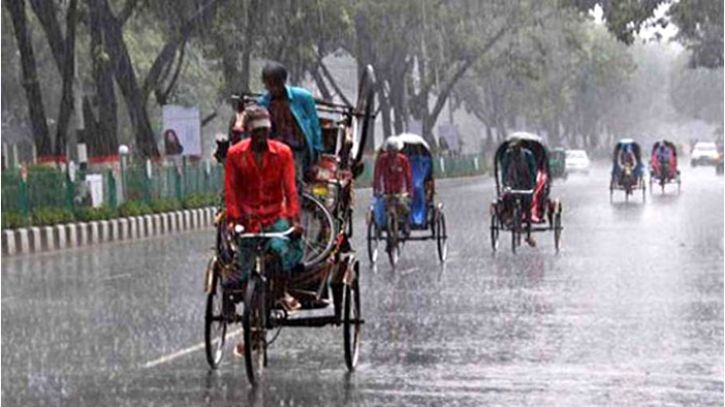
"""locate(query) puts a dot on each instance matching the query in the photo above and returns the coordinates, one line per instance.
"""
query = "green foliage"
(133, 208)
(165, 205)
(88, 214)
(51, 216)
(200, 201)
(14, 220)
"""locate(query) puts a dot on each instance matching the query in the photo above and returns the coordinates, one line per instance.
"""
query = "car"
(704, 153)
(577, 161)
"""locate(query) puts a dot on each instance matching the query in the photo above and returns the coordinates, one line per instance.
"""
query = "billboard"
(182, 131)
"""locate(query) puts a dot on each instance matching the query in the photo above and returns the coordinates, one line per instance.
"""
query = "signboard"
(95, 186)
(182, 131)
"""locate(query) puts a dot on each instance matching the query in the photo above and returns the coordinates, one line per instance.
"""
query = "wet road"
(629, 313)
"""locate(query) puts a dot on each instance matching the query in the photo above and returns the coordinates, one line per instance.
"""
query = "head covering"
(393, 144)
(256, 117)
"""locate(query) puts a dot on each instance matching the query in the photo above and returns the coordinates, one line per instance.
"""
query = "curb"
(69, 235)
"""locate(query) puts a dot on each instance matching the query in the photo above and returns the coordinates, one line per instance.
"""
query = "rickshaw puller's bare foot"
(531, 241)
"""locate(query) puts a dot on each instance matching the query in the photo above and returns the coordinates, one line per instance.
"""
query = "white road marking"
(117, 276)
(178, 354)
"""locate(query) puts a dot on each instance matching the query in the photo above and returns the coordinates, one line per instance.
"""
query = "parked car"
(704, 153)
(577, 161)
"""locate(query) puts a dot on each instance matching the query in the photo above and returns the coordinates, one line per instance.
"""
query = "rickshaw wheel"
(351, 322)
(441, 236)
(557, 230)
(644, 191)
(495, 231)
(319, 230)
(373, 238)
(516, 228)
(393, 244)
(254, 324)
(214, 339)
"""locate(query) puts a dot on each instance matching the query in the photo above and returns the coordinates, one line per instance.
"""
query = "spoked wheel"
(373, 240)
(495, 231)
(441, 236)
(351, 322)
(644, 191)
(254, 320)
(319, 230)
(393, 246)
(215, 325)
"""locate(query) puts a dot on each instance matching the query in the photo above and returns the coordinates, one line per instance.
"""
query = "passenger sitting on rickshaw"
(626, 160)
(392, 176)
(261, 195)
(294, 118)
(663, 161)
(519, 173)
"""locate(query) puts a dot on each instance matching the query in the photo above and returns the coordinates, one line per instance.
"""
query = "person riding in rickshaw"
(627, 169)
(519, 173)
(523, 182)
(393, 180)
(664, 160)
(294, 118)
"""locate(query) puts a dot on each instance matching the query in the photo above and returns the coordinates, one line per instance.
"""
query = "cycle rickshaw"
(426, 219)
(329, 276)
(524, 211)
(663, 166)
(627, 170)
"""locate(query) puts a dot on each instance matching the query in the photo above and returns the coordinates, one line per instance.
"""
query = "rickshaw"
(627, 170)
(557, 163)
(328, 277)
(524, 211)
(426, 220)
(663, 166)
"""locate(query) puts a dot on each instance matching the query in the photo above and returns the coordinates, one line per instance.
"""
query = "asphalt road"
(629, 313)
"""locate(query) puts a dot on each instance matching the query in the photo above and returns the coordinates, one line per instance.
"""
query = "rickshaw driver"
(519, 173)
(393, 176)
(294, 118)
(261, 195)
(664, 156)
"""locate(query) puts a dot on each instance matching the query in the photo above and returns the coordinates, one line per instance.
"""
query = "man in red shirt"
(261, 195)
(393, 176)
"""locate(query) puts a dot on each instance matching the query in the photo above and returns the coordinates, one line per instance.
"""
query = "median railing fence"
(41, 195)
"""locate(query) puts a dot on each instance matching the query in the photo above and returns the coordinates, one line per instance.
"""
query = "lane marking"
(123, 275)
(182, 352)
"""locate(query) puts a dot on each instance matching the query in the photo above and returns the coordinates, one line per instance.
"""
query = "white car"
(704, 153)
(577, 161)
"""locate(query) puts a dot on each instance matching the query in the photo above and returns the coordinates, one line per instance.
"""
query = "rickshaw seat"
(421, 167)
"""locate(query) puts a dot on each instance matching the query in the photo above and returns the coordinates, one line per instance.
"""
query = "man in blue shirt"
(294, 117)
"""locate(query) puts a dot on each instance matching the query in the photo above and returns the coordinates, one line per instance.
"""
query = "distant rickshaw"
(557, 163)
(663, 166)
(627, 170)
(509, 211)
(426, 218)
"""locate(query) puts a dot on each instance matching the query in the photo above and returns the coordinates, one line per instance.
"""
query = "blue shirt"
(303, 108)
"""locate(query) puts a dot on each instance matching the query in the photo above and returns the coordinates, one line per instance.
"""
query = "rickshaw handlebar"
(266, 235)
(518, 191)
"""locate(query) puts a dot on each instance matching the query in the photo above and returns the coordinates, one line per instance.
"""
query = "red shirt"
(258, 197)
(392, 174)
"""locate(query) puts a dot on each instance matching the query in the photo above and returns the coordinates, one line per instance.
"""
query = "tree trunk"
(67, 73)
(33, 94)
(102, 138)
(127, 81)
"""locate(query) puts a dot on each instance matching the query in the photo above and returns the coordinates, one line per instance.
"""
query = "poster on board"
(182, 131)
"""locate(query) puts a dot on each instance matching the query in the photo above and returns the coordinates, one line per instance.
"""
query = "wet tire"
(254, 324)
(393, 244)
(557, 231)
(516, 229)
(351, 328)
(495, 232)
(441, 237)
(215, 326)
(373, 241)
